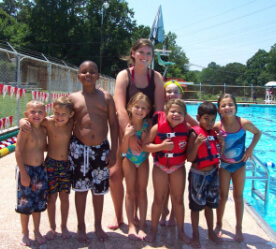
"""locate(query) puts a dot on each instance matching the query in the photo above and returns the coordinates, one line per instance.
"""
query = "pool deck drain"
(256, 232)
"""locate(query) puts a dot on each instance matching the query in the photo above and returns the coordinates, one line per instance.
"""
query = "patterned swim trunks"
(59, 176)
(34, 197)
(88, 166)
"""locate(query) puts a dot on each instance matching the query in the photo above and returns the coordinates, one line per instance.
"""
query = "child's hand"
(200, 139)
(129, 131)
(25, 180)
(111, 159)
(247, 154)
(25, 125)
(135, 144)
(221, 140)
(167, 144)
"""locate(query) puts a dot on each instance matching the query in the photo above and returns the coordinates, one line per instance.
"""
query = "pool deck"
(256, 235)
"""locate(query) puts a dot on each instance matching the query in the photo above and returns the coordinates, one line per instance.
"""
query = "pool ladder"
(251, 166)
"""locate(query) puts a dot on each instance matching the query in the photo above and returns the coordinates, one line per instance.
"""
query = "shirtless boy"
(89, 153)
(59, 129)
(31, 178)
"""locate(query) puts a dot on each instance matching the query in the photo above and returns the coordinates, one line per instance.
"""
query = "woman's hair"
(134, 99)
(176, 83)
(179, 102)
(64, 102)
(225, 96)
(138, 44)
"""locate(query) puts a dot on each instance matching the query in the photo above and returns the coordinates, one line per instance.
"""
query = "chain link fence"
(24, 72)
(242, 93)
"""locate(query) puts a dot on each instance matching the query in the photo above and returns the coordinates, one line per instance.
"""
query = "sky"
(217, 31)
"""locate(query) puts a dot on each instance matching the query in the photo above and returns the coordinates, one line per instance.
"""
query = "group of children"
(215, 149)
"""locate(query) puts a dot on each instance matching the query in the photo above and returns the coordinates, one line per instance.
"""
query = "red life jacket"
(207, 154)
(178, 135)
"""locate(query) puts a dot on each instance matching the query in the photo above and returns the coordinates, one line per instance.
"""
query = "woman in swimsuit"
(234, 157)
(138, 78)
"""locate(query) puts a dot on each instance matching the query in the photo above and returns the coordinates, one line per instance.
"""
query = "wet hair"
(138, 44)
(64, 102)
(35, 102)
(84, 62)
(134, 99)
(175, 83)
(225, 96)
(207, 107)
(179, 102)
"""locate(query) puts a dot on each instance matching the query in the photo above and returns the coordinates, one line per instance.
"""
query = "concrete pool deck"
(256, 235)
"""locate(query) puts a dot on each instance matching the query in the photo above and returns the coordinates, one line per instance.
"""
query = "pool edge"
(261, 222)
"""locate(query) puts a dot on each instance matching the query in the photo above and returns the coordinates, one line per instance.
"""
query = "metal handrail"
(255, 160)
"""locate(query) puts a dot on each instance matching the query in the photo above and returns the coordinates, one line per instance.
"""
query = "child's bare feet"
(116, 224)
(218, 230)
(162, 221)
(101, 235)
(142, 232)
(239, 236)
(150, 237)
(195, 243)
(50, 235)
(212, 236)
(65, 233)
(184, 237)
(25, 240)
(39, 238)
(132, 233)
(82, 237)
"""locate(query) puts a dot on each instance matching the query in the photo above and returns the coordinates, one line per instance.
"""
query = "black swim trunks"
(203, 189)
(88, 166)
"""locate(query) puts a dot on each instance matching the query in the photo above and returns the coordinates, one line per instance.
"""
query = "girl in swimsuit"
(234, 157)
(173, 90)
(168, 140)
(135, 164)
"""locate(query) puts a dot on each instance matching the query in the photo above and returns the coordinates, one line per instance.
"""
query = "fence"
(25, 75)
(242, 93)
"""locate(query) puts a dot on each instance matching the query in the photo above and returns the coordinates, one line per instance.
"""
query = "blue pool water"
(264, 117)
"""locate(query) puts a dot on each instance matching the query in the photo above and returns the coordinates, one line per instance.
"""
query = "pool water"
(264, 117)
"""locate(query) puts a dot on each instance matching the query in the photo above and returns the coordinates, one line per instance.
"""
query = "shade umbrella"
(156, 34)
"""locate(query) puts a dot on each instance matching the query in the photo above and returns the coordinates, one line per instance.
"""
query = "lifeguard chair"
(269, 92)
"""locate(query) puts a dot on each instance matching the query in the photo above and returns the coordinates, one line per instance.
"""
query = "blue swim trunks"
(34, 197)
(203, 189)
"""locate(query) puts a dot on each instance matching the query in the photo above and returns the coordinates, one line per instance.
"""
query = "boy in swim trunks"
(31, 174)
(59, 129)
(89, 152)
(203, 152)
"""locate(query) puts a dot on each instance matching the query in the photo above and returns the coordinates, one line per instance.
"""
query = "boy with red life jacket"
(203, 152)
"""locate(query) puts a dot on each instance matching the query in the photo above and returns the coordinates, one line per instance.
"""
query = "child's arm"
(193, 144)
(19, 152)
(25, 125)
(113, 124)
(249, 126)
(191, 120)
(149, 146)
(129, 131)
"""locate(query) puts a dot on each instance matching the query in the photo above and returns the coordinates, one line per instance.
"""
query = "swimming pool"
(264, 117)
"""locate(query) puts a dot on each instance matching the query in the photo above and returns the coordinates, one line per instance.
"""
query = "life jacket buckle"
(170, 135)
(168, 155)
